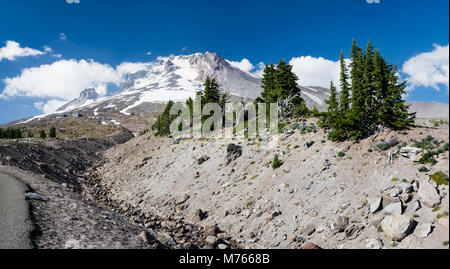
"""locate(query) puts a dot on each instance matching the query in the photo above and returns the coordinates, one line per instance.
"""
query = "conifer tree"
(333, 107)
(269, 84)
(52, 133)
(42, 134)
(286, 81)
(211, 92)
(357, 110)
(368, 88)
(344, 103)
(399, 118)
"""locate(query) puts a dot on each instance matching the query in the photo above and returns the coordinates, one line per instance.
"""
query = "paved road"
(14, 221)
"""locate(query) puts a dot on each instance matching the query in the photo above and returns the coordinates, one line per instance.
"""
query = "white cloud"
(314, 71)
(57, 55)
(148, 53)
(244, 65)
(62, 36)
(259, 69)
(63, 80)
(50, 106)
(12, 50)
(72, 1)
(428, 69)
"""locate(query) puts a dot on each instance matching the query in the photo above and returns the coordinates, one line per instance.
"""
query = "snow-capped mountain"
(87, 96)
(176, 78)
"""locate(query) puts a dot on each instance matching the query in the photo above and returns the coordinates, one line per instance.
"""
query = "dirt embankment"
(59, 160)
(322, 193)
(64, 214)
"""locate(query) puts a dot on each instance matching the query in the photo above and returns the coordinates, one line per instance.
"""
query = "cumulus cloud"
(314, 71)
(244, 65)
(63, 80)
(428, 69)
(12, 50)
(62, 36)
(50, 106)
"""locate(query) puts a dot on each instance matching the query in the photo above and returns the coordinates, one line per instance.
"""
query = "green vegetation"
(440, 178)
(162, 124)
(42, 134)
(376, 98)
(341, 154)
(10, 133)
(428, 157)
(423, 169)
(276, 162)
(279, 85)
(52, 133)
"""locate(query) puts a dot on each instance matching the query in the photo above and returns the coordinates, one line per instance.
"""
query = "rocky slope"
(335, 195)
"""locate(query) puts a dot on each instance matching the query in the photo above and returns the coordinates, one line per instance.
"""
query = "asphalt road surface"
(15, 224)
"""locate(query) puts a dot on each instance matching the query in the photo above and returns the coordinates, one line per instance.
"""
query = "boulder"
(374, 243)
(211, 239)
(375, 205)
(397, 227)
(423, 230)
(429, 195)
(394, 209)
(310, 245)
(406, 187)
(201, 215)
(416, 206)
(233, 152)
(308, 229)
(202, 159)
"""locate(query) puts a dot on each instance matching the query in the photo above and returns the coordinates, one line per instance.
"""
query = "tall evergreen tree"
(381, 71)
(333, 106)
(269, 84)
(286, 81)
(357, 110)
(368, 88)
(211, 92)
(344, 103)
(399, 118)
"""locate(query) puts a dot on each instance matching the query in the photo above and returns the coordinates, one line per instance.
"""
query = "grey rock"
(397, 227)
(416, 206)
(374, 243)
(406, 187)
(423, 230)
(211, 239)
(429, 195)
(375, 205)
(394, 209)
(309, 229)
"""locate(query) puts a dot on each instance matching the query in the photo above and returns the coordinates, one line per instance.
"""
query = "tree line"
(16, 133)
(371, 97)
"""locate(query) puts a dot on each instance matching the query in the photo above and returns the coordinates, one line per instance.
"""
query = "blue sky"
(110, 32)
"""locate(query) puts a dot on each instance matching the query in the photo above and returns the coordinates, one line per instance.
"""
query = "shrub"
(42, 134)
(341, 154)
(387, 145)
(423, 169)
(52, 132)
(276, 162)
(427, 157)
(440, 178)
